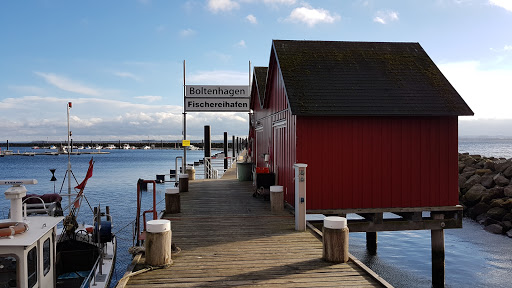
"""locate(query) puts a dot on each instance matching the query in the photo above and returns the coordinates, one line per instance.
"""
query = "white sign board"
(216, 98)
(216, 91)
(208, 104)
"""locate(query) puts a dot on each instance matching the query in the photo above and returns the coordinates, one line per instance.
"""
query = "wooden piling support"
(371, 242)
(438, 254)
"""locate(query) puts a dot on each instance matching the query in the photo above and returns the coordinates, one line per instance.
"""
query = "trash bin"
(244, 171)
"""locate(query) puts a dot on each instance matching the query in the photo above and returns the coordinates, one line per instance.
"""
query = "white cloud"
(486, 91)
(67, 85)
(280, 2)
(187, 32)
(34, 118)
(222, 5)
(31, 90)
(241, 44)
(223, 77)
(127, 75)
(505, 4)
(252, 19)
(384, 17)
(149, 98)
(311, 16)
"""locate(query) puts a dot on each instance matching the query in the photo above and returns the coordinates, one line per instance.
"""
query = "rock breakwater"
(485, 191)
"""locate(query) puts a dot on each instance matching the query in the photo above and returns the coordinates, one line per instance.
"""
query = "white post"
(300, 196)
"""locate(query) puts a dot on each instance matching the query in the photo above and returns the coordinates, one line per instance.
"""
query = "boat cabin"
(27, 246)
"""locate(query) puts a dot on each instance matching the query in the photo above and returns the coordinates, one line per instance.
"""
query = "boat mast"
(69, 159)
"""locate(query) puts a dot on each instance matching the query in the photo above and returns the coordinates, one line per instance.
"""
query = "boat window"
(8, 271)
(32, 267)
(46, 256)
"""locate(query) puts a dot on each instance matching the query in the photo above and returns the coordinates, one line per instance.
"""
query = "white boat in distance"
(110, 147)
(192, 147)
(126, 146)
(146, 147)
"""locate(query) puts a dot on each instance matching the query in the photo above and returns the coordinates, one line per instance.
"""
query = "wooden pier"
(230, 239)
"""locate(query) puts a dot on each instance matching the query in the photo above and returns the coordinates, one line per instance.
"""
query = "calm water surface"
(114, 183)
(474, 258)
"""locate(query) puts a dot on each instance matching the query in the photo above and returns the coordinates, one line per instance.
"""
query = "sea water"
(474, 257)
(114, 184)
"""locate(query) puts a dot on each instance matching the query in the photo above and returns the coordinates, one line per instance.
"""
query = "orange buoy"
(12, 228)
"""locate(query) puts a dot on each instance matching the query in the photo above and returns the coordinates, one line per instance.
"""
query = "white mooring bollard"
(158, 242)
(276, 198)
(183, 183)
(172, 201)
(335, 239)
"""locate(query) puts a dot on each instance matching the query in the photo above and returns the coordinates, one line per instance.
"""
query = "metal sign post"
(184, 164)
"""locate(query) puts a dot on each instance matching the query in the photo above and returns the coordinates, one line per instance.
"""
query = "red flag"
(81, 186)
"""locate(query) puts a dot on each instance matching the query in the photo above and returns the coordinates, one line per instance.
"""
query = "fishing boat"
(35, 252)
(126, 146)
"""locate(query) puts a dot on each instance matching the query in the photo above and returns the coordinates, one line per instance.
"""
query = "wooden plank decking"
(230, 239)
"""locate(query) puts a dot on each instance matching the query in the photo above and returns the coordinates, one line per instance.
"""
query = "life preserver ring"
(12, 228)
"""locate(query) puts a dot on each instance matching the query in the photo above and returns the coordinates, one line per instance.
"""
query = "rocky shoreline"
(485, 191)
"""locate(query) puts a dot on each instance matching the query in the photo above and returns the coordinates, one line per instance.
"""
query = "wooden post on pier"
(207, 150)
(276, 198)
(437, 239)
(335, 240)
(183, 183)
(225, 150)
(158, 243)
(172, 201)
(233, 147)
(371, 242)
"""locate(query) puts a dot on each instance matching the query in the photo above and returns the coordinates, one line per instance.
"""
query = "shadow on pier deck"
(230, 239)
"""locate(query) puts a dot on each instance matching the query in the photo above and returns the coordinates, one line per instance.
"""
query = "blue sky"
(121, 62)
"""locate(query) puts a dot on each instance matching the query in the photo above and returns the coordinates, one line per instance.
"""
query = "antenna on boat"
(69, 157)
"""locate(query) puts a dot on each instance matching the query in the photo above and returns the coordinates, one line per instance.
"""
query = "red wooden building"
(375, 122)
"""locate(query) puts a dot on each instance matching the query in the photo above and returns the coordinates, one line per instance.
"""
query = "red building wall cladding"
(378, 162)
(277, 137)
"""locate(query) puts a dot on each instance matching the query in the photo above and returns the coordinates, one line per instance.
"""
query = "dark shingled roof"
(334, 78)
(260, 75)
